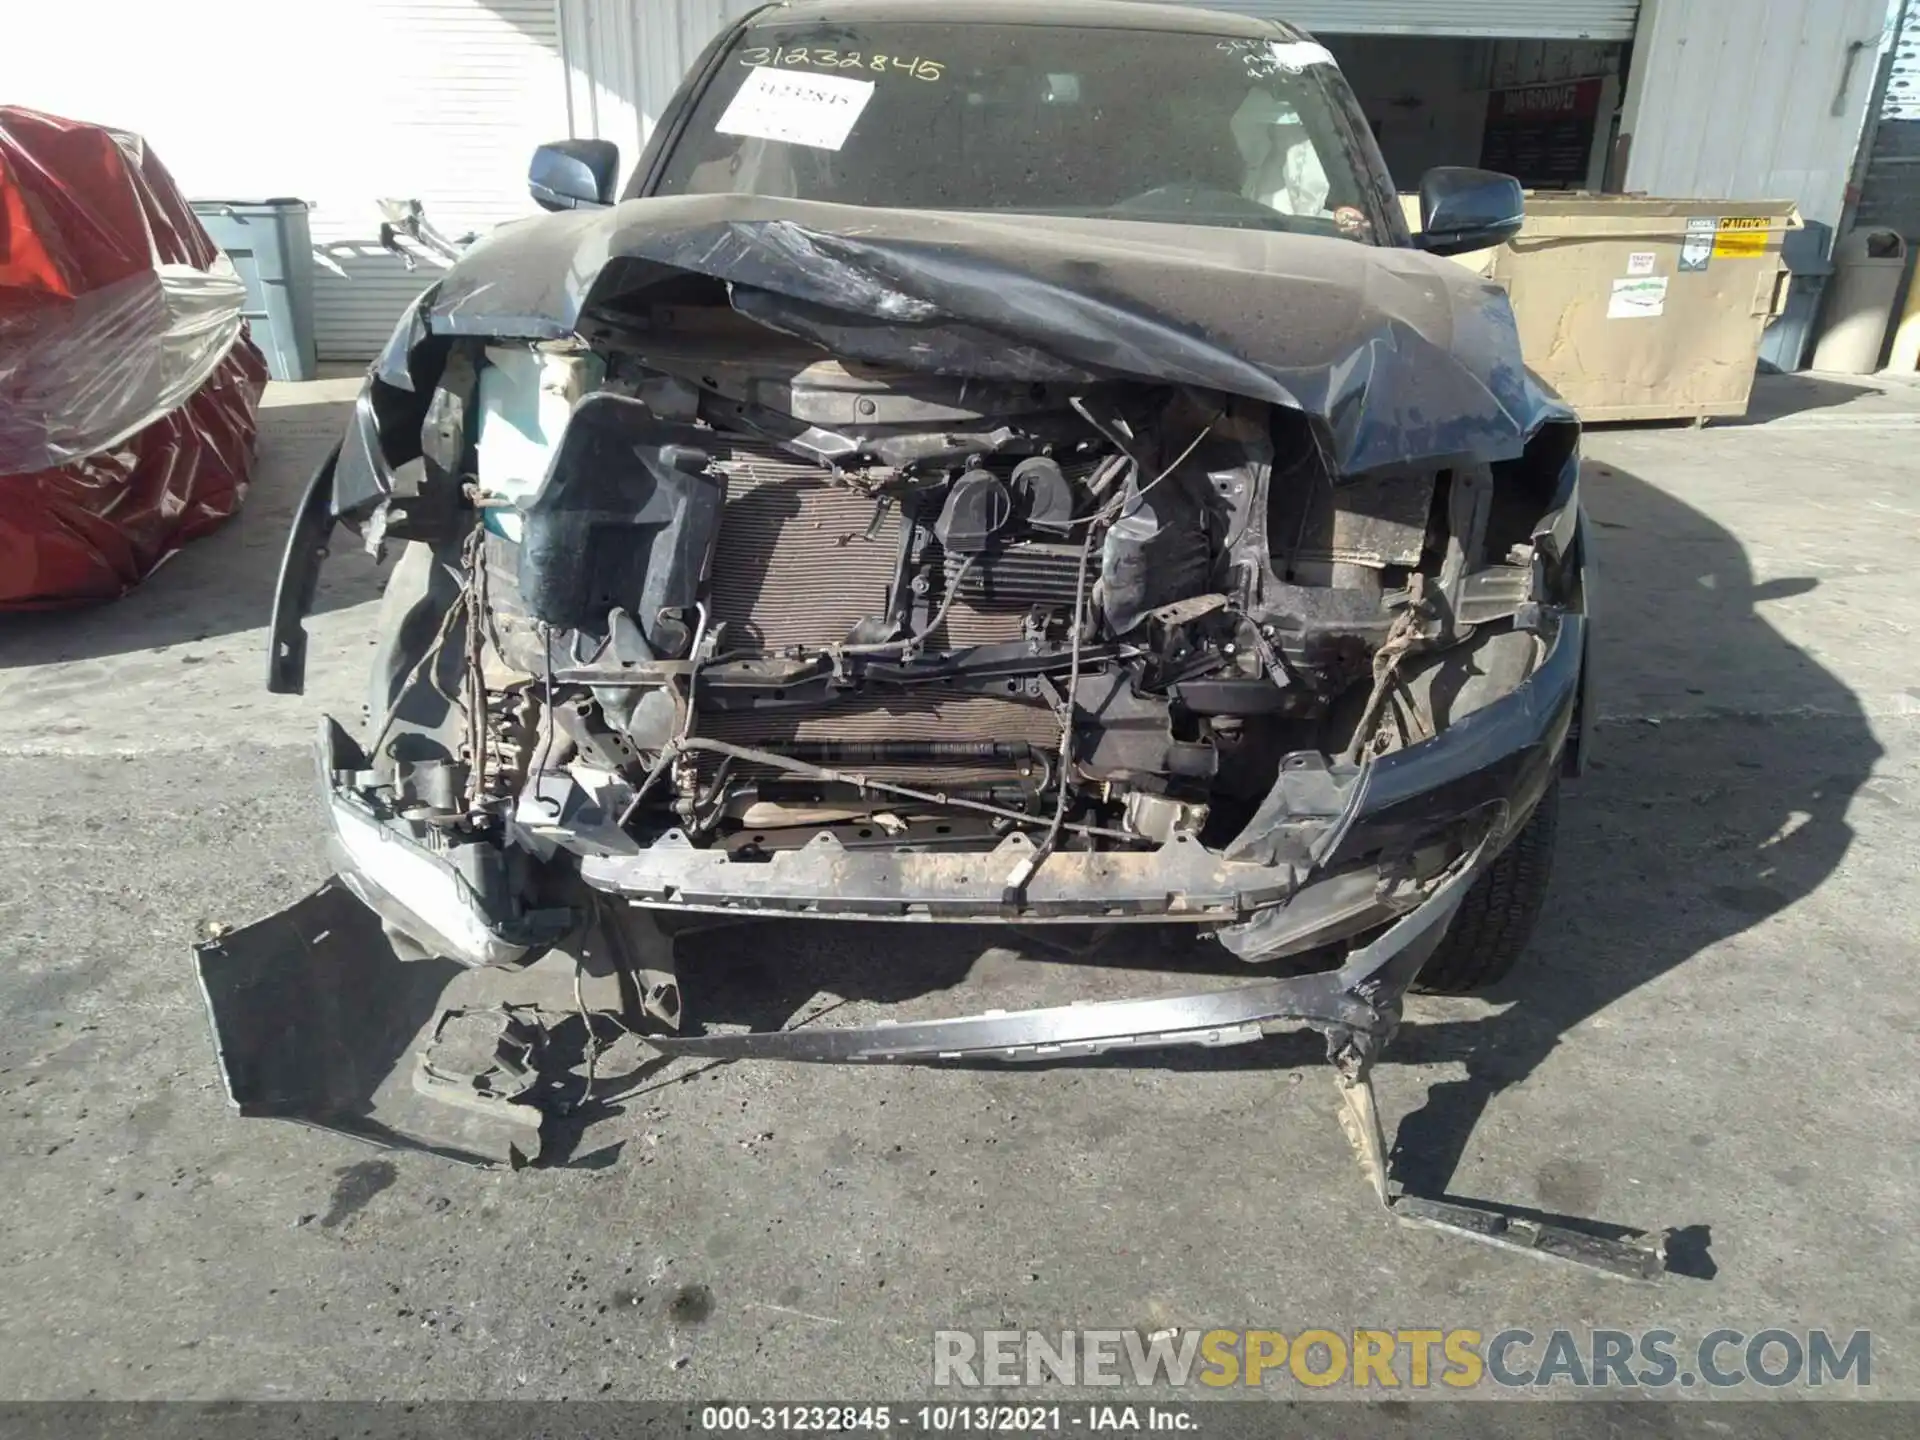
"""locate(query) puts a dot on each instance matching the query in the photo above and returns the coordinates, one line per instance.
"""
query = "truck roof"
(1095, 14)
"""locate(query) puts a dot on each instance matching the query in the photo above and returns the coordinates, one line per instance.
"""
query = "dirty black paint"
(691, 1305)
(354, 1186)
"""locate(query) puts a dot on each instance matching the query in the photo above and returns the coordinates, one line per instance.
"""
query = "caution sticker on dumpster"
(1741, 237)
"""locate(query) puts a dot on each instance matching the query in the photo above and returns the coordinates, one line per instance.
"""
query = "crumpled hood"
(1399, 356)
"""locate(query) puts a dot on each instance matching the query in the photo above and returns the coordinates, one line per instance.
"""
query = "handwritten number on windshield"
(820, 58)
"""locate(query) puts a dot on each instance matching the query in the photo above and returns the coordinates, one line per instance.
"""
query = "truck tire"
(1488, 936)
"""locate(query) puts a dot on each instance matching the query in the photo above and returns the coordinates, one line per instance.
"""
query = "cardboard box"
(1640, 309)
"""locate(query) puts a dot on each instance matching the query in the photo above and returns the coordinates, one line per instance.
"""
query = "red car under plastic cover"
(128, 386)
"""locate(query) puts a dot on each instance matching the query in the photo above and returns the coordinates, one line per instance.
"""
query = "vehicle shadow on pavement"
(1691, 826)
(221, 583)
(1776, 396)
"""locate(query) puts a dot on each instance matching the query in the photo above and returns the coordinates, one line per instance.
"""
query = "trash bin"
(1783, 349)
(267, 241)
(1903, 352)
(1867, 267)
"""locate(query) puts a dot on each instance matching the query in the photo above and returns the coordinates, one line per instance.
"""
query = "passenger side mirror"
(1463, 209)
(574, 174)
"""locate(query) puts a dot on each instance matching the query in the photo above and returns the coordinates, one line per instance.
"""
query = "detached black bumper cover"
(316, 1020)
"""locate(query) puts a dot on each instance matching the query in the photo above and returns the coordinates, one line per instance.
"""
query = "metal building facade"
(483, 85)
(1533, 19)
(1890, 187)
(1756, 100)
(345, 101)
(338, 103)
(624, 61)
(625, 57)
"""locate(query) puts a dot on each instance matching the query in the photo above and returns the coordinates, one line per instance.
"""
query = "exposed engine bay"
(760, 593)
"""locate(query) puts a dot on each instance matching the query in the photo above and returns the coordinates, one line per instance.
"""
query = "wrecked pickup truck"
(960, 480)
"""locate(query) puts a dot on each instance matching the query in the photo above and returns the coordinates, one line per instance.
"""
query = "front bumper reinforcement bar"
(1356, 1007)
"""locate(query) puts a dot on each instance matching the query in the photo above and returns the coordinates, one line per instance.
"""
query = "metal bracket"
(645, 952)
(1360, 1118)
(488, 1062)
(1640, 1258)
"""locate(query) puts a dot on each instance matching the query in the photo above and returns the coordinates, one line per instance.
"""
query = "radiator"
(801, 560)
(796, 564)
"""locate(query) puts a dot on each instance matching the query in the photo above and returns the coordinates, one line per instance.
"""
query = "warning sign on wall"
(1543, 134)
(1741, 237)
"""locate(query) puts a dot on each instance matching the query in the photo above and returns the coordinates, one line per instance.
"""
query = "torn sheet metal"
(1398, 356)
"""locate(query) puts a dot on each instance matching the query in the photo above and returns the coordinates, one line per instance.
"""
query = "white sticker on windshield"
(1293, 56)
(796, 106)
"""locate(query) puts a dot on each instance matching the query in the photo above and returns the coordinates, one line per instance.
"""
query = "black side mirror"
(1463, 209)
(574, 174)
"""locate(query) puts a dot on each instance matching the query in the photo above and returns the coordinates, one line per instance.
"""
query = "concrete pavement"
(1715, 1032)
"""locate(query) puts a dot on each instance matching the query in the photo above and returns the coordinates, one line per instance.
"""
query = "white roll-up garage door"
(338, 102)
(469, 88)
(1534, 19)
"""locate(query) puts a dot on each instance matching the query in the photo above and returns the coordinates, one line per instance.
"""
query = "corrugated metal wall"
(1541, 62)
(1549, 19)
(344, 101)
(1890, 190)
(1760, 100)
(625, 58)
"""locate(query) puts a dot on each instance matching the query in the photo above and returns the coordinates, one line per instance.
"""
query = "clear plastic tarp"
(128, 386)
